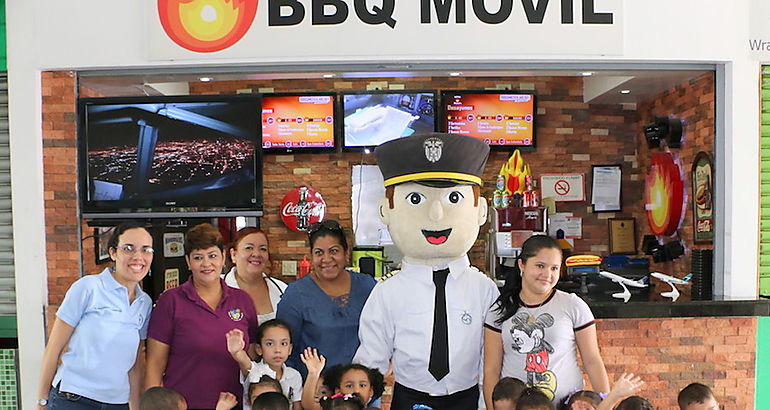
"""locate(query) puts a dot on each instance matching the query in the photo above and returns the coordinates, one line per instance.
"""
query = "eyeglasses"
(329, 224)
(130, 249)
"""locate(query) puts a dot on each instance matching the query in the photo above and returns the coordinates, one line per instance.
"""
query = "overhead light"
(455, 74)
(328, 75)
(205, 79)
(367, 151)
(587, 73)
(625, 91)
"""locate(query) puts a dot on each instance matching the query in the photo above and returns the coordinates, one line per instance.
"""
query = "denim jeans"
(58, 400)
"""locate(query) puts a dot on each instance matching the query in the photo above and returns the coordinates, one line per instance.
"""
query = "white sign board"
(758, 43)
(307, 29)
(563, 187)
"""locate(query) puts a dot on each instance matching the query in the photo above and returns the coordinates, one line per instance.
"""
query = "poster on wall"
(101, 246)
(173, 244)
(170, 278)
(703, 197)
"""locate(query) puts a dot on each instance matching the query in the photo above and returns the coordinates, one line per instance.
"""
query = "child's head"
(507, 392)
(634, 403)
(533, 398)
(271, 401)
(321, 389)
(342, 401)
(274, 342)
(697, 396)
(264, 385)
(162, 398)
(583, 400)
(355, 378)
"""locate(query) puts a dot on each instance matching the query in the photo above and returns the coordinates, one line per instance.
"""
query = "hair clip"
(603, 395)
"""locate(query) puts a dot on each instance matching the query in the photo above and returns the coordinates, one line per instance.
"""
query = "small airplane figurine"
(626, 294)
(674, 293)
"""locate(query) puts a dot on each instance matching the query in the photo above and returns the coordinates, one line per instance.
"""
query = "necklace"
(528, 306)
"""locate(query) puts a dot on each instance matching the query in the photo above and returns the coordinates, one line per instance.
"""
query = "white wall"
(55, 34)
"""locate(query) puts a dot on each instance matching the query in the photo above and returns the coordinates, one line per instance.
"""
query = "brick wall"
(670, 353)
(571, 136)
(694, 103)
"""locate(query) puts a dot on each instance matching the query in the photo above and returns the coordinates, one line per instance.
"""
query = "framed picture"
(703, 197)
(101, 249)
(605, 188)
(622, 236)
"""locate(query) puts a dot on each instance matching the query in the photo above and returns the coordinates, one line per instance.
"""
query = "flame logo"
(664, 195)
(206, 26)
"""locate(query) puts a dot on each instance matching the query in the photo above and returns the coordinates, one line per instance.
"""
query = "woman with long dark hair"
(534, 331)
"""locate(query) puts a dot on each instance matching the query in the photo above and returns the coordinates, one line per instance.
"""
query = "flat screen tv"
(298, 122)
(374, 117)
(499, 118)
(164, 153)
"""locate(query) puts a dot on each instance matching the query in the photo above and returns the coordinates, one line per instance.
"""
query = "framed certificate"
(622, 236)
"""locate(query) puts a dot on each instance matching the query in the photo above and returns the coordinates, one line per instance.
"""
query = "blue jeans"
(58, 400)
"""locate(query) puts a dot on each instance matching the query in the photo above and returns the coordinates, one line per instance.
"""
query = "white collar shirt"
(397, 323)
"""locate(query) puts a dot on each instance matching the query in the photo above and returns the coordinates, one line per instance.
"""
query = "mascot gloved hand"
(428, 318)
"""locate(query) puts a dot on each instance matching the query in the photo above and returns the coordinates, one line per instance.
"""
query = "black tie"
(439, 347)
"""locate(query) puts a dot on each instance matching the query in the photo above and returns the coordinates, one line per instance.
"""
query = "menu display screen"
(499, 119)
(297, 121)
(376, 117)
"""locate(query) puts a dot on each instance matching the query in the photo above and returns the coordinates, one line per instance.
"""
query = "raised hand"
(235, 342)
(315, 363)
(226, 401)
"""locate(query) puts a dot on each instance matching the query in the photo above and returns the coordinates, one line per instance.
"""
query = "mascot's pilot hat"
(436, 159)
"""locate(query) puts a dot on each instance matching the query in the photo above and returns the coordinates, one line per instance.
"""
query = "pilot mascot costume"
(428, 318)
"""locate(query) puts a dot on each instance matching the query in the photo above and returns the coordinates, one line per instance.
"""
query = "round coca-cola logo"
(301, 207)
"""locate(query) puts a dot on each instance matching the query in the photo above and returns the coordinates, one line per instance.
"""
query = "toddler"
(697, 396)
(163, 398)
(264, 385)
(341, 401)
(274, 345)
(367, 383)
(506, 393)
(271, 401)
(635, 403)
(533, 398)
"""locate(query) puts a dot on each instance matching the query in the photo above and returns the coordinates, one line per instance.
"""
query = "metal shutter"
(7, 281)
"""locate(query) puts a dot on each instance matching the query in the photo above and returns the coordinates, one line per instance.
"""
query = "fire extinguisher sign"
(301, 207)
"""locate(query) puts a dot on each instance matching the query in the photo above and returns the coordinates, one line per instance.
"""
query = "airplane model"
(674, 293)
(620, 280)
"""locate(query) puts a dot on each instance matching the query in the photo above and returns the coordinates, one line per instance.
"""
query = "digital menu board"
(297, 121)
(497, 118)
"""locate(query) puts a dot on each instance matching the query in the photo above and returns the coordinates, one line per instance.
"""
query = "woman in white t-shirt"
(251, 259)
(533, 331)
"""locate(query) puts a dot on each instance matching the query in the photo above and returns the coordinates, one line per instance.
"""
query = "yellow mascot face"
(433, 226)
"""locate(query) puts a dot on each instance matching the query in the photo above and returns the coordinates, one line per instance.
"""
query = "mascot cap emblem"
(433, 147)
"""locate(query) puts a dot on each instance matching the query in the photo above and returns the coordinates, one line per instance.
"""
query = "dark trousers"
(59, 400)
(405, 398)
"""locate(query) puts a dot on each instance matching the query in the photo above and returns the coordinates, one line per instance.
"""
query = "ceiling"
(600, 86)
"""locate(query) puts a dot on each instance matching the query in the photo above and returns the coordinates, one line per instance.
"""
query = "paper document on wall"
(605, 192)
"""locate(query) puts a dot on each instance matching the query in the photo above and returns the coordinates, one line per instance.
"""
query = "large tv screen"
(163, 152)
(298, 121)
(500, 119)
(374, 117)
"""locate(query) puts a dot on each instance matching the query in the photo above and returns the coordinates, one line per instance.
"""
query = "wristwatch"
(42, 402)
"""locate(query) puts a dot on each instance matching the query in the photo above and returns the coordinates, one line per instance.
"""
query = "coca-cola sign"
(301, 207)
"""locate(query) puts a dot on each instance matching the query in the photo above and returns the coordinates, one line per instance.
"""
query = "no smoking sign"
(563, 187)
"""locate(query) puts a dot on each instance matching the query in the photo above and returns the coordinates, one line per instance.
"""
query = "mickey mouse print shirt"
(539, 344)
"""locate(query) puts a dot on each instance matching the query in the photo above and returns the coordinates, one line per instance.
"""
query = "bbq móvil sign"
(207, 26)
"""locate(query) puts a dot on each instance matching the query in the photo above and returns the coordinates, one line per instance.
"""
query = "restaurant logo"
(206, 26)
(301, 207)
(664, 194)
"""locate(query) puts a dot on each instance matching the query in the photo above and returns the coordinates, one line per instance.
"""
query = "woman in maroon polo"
(186, 344)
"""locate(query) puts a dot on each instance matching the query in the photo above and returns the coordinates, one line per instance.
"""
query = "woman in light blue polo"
(101, 322)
